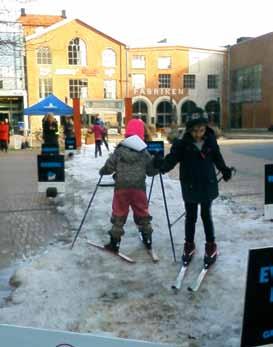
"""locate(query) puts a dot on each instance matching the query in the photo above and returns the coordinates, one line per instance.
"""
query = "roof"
(39, 20)
(172, 45)
(66, 21)
(252, 39)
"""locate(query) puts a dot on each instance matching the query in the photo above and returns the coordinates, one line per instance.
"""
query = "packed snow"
(88, 290)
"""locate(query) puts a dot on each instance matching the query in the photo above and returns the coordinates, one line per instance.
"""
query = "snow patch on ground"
(87, 290)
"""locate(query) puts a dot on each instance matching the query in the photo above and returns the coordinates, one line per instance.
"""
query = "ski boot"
(113, 245)
(210, 253)
(189, 249)
(146, 239)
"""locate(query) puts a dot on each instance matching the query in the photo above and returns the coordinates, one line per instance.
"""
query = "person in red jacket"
(98, 131)
(4, 135)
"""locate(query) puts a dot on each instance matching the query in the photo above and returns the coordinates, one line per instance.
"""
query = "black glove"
(157, 162)
(227, 173)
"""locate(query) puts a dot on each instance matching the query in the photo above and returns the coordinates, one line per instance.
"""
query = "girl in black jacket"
(198, 153)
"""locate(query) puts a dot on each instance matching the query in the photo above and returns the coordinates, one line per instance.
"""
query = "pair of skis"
(197, 284)
(122, 256)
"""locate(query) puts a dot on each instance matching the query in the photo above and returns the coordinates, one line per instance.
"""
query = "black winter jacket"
(197, 168)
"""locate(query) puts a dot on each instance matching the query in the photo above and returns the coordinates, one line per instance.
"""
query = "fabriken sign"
(158, 91)
(258, 323)
(14, 336)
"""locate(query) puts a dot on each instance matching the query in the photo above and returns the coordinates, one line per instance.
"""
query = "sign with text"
(70, 143)
(257, 322)
(50, 149)
(50, 168)
(156, 148)
(158, 91)
(14, 336)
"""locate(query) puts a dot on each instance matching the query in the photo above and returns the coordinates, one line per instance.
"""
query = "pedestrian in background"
(105, 131)
(50, 130)
(97, 130)
(4, 135)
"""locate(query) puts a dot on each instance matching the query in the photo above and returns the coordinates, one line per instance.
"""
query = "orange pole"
(128, 109)
(77, 121)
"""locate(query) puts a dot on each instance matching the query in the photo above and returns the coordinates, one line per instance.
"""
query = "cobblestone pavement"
(28, 220)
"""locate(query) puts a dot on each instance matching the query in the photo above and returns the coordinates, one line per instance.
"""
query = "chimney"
(23, 11)
(63, 14)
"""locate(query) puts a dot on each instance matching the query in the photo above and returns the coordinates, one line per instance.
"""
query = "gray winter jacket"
(130, 167)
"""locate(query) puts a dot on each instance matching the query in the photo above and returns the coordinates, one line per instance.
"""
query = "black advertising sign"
(156, 148)
(50, 168)
(70, 143)
(268, 184)
(258, 312)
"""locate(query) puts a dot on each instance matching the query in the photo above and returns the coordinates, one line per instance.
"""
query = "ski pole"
(167, 215)
(150, 193)
(85, 214)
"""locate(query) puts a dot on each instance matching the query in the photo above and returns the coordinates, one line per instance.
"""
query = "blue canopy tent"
(51, 104)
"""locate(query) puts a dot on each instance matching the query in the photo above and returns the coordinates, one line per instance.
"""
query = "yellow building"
(170, 83)
(73, 60)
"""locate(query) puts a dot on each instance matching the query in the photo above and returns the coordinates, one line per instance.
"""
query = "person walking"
(198, 153)
(97, 130)
(130, 163)
(105, 131)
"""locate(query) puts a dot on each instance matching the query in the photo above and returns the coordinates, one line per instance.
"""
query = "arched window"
(108, 58)
(164, 114)
(141, 108)
(44, 55)
(187, 110)
(213, 111)
(77, 52)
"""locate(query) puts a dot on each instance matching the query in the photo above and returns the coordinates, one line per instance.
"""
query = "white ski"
(179, 279)
(199, 280)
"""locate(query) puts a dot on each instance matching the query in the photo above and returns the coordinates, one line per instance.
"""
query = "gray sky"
(198, 22)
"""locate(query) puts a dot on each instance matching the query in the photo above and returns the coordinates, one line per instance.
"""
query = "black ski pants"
(191, 218)
(97, 148)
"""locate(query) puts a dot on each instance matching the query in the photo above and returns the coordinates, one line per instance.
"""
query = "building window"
(138, 81)
(189, 81)
(213, 81)
(1, 84)
(109, 88)
(138, 62)
(164, 63)
(45, 87)
(246, 84)
(109, 58)
(78, 89)
(44, 56)
(164, 81)
(77, 52)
